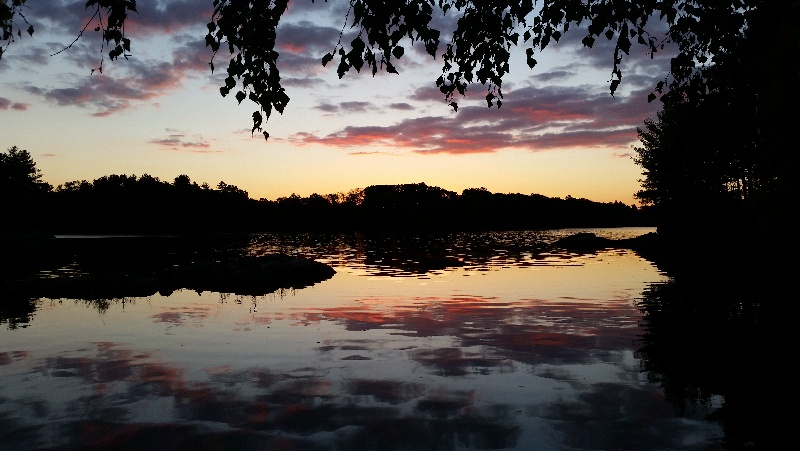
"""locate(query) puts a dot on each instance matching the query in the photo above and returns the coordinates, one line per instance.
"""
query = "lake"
(442, 342)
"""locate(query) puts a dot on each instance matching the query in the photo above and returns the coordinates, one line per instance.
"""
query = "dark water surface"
(460, 341)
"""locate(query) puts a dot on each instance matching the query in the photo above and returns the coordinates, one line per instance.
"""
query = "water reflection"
(508, 379)
(517, 347)
(399, 255)
(706, 342)
(16, 311)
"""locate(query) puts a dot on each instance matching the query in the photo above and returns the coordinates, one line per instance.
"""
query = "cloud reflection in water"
(448, 365)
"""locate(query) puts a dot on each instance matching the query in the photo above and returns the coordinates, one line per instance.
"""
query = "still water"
(461, 341)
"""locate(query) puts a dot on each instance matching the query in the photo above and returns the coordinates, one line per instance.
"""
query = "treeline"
(421, 207)
(146, 204)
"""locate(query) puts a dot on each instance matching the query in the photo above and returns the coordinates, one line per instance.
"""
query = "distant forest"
(145, 204)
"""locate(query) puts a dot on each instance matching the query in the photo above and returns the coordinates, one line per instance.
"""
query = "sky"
(559, 131)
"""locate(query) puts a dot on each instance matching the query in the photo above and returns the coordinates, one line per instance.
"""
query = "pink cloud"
(533, 119)
(6, 104)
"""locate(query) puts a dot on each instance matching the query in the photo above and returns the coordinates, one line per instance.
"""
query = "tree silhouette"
(721, 149)
(691, 168)
(21, 190)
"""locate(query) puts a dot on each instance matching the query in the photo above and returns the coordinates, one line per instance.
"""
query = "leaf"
(398, 52)
(651, 97)
(624, 44)
(614, 85)
(609, 34)
(240, 96)
(343, 67)
(588, 41)
(30, 30)
(327, 59)
(257, 121)
(531, 62)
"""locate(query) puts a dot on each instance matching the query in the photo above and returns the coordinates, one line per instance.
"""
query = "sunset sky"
(558, 133)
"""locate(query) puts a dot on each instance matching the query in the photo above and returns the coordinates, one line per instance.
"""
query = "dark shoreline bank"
(246, 276)
(124, 266)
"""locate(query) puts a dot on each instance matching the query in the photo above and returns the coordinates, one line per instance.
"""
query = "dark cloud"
(140, 81)
(302, 82)
(305, 38)
(300, 64)
(303, 8)
(554, 75)
(162, 17)
(345, 107)
(327, 107)
(167, 17)
(28, 56)
(403, 106)
(356, 107)
(177, 140)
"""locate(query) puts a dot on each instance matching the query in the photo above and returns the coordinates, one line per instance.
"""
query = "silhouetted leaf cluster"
(705, 32)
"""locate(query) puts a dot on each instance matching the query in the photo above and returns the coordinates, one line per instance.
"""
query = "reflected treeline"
(707, 337)
(410, 254)
(16, 311)
(109, 270)
(36, 256)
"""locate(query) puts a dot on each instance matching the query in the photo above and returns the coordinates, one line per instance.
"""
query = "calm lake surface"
(514, 348)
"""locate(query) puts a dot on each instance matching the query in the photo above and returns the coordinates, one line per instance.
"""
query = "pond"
(451, 341)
